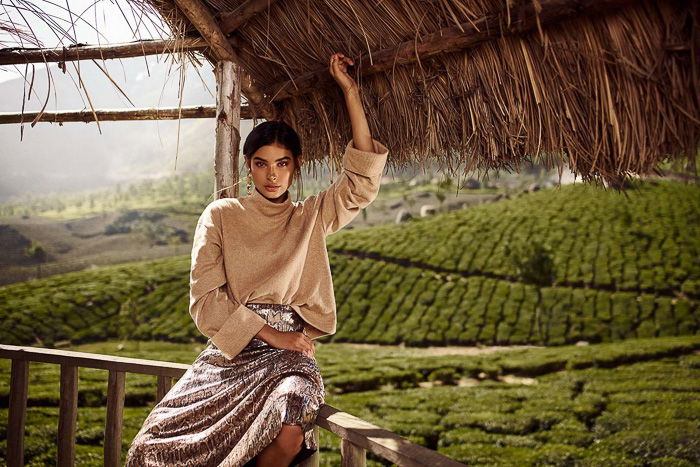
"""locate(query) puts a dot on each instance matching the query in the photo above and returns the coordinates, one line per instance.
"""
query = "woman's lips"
(271, 187)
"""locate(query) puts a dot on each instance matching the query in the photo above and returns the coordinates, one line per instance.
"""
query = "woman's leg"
(283, 448)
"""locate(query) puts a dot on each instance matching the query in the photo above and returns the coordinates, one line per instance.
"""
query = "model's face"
(272, 168)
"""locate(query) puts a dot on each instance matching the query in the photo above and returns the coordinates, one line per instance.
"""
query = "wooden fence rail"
(357, 436)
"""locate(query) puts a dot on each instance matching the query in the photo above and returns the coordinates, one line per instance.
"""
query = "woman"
(261, 290)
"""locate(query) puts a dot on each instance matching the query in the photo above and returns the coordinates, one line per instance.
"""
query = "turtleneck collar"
(269, 208)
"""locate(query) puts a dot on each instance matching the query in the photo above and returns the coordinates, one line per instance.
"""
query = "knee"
(290, 438)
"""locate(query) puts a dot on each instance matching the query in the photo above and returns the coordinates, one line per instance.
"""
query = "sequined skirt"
(224, 412)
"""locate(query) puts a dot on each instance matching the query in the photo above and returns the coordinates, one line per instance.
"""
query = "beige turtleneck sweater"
(248, 250)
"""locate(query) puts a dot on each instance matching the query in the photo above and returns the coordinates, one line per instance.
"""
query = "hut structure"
(608, 87)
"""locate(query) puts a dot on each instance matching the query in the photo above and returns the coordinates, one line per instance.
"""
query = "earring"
(249, 183)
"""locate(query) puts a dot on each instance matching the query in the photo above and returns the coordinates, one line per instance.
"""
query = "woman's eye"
(259, 164)
(283, 163)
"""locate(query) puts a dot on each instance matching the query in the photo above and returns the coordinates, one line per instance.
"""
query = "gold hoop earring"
(300, 185)
(249, 183)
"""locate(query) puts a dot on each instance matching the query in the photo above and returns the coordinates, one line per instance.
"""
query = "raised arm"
(363, 161)
(229, 324)
(360, 130)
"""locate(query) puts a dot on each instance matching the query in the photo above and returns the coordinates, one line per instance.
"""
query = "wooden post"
(67, 414)
(19, 383)
(352, 455)
(315, 459)
(165, 383)
(228, 124)
(115, 416)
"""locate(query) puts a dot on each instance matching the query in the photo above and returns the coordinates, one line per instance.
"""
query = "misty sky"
(52, 158)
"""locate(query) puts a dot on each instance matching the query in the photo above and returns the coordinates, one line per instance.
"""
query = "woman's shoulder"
(219, 206)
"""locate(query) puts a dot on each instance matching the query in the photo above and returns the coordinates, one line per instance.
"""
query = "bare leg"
(282, 449)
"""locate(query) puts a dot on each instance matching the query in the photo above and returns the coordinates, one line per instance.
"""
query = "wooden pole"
(17, 416)
(86, 116)
(115, 418)
(20, 56)
(67, 414)
(228, 121)
(231, 20)
(202, 19)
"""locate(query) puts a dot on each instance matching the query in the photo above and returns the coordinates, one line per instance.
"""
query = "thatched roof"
(609, 87)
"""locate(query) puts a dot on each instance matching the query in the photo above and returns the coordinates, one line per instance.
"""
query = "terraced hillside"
(551, 267)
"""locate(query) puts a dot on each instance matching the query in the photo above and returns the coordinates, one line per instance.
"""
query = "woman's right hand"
(292, 340)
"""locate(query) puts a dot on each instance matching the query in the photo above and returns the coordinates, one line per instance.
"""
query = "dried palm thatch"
(609, 94)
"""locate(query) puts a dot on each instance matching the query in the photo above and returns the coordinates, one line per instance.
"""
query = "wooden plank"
(352, 455)
(228, 136)
(86, 116)
(19, 382)
(22, 55)
(231, 20)
(67, 414)
(509, 21)
(164, 385)
(115, 415)
(381, 442)
(91, 360)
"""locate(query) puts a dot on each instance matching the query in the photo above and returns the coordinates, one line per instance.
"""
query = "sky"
(48, 157)
(114, 19)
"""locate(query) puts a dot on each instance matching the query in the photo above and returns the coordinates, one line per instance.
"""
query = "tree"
(36, 252)
(533, 263)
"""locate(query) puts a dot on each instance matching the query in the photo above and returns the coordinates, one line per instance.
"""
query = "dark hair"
(272, 132)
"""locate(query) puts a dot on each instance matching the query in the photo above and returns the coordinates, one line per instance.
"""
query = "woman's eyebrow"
(265, 160)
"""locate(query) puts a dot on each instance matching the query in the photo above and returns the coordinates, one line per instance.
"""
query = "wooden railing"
(357, 436)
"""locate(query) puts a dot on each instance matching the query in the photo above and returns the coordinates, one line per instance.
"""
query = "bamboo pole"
(518, 20)
(228, 136)
(22, 55)
(86, 116)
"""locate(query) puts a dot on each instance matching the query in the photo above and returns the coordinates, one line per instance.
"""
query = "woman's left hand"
(339, 71)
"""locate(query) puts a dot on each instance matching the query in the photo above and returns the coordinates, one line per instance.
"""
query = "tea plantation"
(550, 268)
(570, 405)
(602, 268)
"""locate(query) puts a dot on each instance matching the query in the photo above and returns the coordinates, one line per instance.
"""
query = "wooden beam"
(232, 20)
(202, 19)
(228, 135)
(385, 444)
(90, 360)
(522, 19)
(86, 116)
(20, 55)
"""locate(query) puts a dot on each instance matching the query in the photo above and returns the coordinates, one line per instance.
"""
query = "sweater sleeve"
(229, 324)
(355, 188)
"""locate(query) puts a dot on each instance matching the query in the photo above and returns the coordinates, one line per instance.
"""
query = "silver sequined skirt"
(224, 412)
